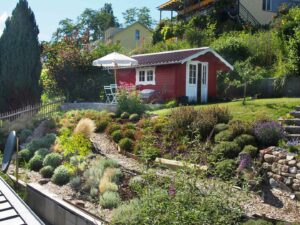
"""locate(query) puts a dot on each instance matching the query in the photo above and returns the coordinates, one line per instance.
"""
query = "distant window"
(137, 35)
(145, 76)
(267, 5)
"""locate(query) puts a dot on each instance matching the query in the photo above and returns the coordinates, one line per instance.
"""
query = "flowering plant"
(268, 133)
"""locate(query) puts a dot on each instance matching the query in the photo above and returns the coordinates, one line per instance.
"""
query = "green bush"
(53, 160)
(238, 127)
(130, 126)
(47, 171)
(129, 133)
(150, 153)
(245, 139)
(109, 200)
(112, 115)
(75, 183)
(253, 151)
(171, 104)
(221, 114)
(124, 115)
(221, 127)
(42, 152)
(24, 134)
(113, 127)
(35, 163)
(225, 150)
(44, 142)
(101, 125)
(116, 136)
(225, 135)
(126, 144)
(61, 175)
(76, 144)
(25, 155)
(225, 169)
(134, 117)
(126, 213)
(257, 222)
(130, 102)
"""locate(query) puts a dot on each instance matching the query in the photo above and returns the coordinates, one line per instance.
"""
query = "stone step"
(293, 136)
(292, 129)
(290, 122)
(296, 114)
(297, 108)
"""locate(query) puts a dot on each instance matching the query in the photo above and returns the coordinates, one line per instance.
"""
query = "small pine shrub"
(109, 200)
(225, 169)
(35, 163)
(129, 133)
(253, 151)
(130, 126)
(61, 175)
(86, 127)
(225, 135)
(117, 136)
(134, 117)
(47, 171)
(221, 127)
(94, 193)
(53, 160)
(75, 183)
(113, 127)
(224, 150)
(101, 125)
(25, 155)
(42, 152)
(126, 144)
(125, 115)
(245, 139)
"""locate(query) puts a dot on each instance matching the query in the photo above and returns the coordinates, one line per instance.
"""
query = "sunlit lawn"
(273, 108)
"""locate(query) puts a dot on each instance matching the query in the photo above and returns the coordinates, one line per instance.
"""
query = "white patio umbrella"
(115, 60)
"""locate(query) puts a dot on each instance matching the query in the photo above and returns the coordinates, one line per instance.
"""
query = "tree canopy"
(141, 15)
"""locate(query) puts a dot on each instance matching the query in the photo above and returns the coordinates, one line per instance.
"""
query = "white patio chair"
(110, 94)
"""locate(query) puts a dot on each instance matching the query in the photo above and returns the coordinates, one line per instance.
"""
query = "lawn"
(273, 108)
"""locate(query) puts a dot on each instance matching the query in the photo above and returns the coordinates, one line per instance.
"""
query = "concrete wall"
(54, 211)
(255, 7)
(89, 105)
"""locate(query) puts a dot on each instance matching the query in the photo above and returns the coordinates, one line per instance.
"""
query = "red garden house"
(174, 74)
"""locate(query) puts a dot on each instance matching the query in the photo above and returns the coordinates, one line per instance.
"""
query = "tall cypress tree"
(20, 59)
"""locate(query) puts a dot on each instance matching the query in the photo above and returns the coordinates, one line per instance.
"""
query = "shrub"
(116, 136)
(110, 200)
(225, 150)
(257, 222)
(42, 152)
(268, 133)
(171, 104)
(47, 171)
(126, 213)
(221, 127)
(101, 125)
(130, 126)
(107, 186)
(253, 151)
(221, 114)
(126, 144)
(244, 139)
(76, 144)
(24, 134)
(225, 169)
(53, 160)
(25, 155)
(35, 163)
(225, 135)
(113, 127)
(61, 175)
(134, 117)
(44, 142)
(75, 183)
(238, 127)
(124, 115)
(112, 115)
(130, 102)
(150, 153)
(129, 133)
(85, 127)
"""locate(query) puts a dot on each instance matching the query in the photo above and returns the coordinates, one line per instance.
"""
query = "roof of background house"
(175, 57)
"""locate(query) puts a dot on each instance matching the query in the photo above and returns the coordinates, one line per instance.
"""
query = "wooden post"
(160, 15)
(17, 161)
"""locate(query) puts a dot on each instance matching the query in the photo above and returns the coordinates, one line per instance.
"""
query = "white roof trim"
(206, 51)
(173, 51)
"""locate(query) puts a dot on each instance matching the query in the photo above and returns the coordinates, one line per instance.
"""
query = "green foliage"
(250, 149)
(25, 155)
(239, 127)
(20, 59)
(130, 102)
(126, 213)
(257, 222)
(101, 125)
(47, 171)
(225, 150)
(75, 183)
(125, 115)
(129, 126)
(225, 169)
(113, 127)
(141, 15)
(24, 134)
(35, 163)
(225, 135)
(42, 152)
(109, 200)
(126, 144)
(221, 127)
(150, 153)
(134, 117)
(117, 136)
(53, 160)
(44, 142)
(244, 139)
(129, 133)
(171, 104)
(61, 175)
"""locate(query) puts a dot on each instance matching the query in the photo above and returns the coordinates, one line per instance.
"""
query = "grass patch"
(273, 108)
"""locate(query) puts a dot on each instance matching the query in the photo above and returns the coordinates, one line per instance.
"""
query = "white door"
(192, 81)
(204, 83)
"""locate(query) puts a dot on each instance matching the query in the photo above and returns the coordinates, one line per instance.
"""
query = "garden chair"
(110, 94)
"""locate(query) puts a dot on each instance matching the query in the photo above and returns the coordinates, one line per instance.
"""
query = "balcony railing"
(195, 7)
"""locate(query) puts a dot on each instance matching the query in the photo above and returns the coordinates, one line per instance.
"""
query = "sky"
(48, 13)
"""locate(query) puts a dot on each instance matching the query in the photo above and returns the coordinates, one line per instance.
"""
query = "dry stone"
(282, 161)
(290, 157)
(269, 158)
(266, 166)
(296, 187)
(292, 163)
(297, 194)
(298, 176)
(285, 169)
(298, 165)
(293, 170)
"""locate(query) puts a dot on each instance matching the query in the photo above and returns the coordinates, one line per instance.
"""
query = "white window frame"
(146, 82)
